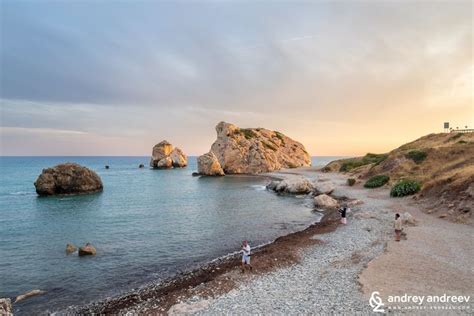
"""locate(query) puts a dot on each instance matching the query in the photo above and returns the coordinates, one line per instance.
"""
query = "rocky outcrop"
(28, 294)
(323, 187)
(209, 165)
(6, 307)
(325, 201)
(70, 248)
(256, 150)
(293, 185)
(87, 250)
(68, 178)
(164, 156)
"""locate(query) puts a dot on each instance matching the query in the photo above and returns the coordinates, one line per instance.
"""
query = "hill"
(442, 163)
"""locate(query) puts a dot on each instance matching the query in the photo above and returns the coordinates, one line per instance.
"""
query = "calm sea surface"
(146, 225)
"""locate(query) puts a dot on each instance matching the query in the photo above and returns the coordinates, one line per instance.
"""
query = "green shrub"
(405, 187)
(351, 181)
(376, 181)
(369, 158)
(416, 155)
(462, 142)
(247, 132)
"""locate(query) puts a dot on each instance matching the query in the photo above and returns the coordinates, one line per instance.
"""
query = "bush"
(377, 181)
(351, 181)
(416, 155)
(358, 162)
(405, 187)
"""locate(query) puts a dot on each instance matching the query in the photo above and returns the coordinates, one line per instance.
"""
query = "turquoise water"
(146, 225)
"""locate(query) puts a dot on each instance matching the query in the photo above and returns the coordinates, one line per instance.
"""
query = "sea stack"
(164, 156)
(252, 151)
(68, 178)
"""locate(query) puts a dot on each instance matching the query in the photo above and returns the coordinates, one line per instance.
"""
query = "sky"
(344, 78)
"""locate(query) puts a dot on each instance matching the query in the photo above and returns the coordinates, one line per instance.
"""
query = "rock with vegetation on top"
(68, 178)
(164, 156)
(87, 250)
(70, 248)
(6, 307)
(256, 150)
(28, 294)
(293, 185)
(325, 201)
(209, 165)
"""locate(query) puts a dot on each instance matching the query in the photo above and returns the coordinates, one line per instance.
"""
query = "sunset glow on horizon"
(343, 78)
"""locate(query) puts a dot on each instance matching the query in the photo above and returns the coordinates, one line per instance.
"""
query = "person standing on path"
(245, 256)
(343, 211)
(398, 227)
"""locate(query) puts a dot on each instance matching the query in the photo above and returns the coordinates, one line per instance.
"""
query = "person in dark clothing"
(343, 211)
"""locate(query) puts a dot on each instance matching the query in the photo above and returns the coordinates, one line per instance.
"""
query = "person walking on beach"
(398, 227)
(343, 211)
(245, 256)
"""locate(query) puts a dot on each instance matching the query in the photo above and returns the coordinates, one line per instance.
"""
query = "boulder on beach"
(70, 248)
(68, 178)
(323, 187)
(293, 185)
(28, 294)
(256, 150)
(6, 306)
(408, 219)
(87, 250)
(325, 201)
(209, 165)
(165, 156)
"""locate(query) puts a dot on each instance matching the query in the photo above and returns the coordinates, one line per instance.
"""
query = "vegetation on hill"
(377, 181)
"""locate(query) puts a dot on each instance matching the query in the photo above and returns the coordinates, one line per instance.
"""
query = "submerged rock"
(28, 294)
(164, 156)
(256, 150)
(70, 248)
(209, 165)
(68, 178)
(325, 201)
(87, 250)
(6, 307)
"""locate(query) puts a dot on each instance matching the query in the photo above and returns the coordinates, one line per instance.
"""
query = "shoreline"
(168, 292)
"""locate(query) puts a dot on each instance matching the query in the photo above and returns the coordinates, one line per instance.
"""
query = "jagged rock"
(28, 294)
(87, 250)
(68, 178)
(6, 307)
(323, 187)
(70, 248)
(165, 156)
(209, 165)
(294, 185)
(325, 201)
(256, 150)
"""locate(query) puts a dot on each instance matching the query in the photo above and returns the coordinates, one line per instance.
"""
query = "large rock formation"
(255, 150)
(209, 165)
(164, 156)
(68, 178)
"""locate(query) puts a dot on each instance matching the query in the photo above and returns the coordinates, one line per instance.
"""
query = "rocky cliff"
(252, 150)
(164, 156)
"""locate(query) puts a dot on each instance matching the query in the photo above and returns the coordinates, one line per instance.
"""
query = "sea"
(147, 225)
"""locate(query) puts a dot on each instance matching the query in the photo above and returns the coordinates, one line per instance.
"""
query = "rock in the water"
(68, 178)
(407, 218)
(87, 250)
(272, 185)
(107, 167)
(294, 185)
(256, 150)
(28, 294)
(141, 166)
(164, 156)
(323, 187)
(6, 307)
(70, 248)
(208, 165)
(325, 201)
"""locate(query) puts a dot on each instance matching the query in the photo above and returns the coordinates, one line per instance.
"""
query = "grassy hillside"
(442, 163)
